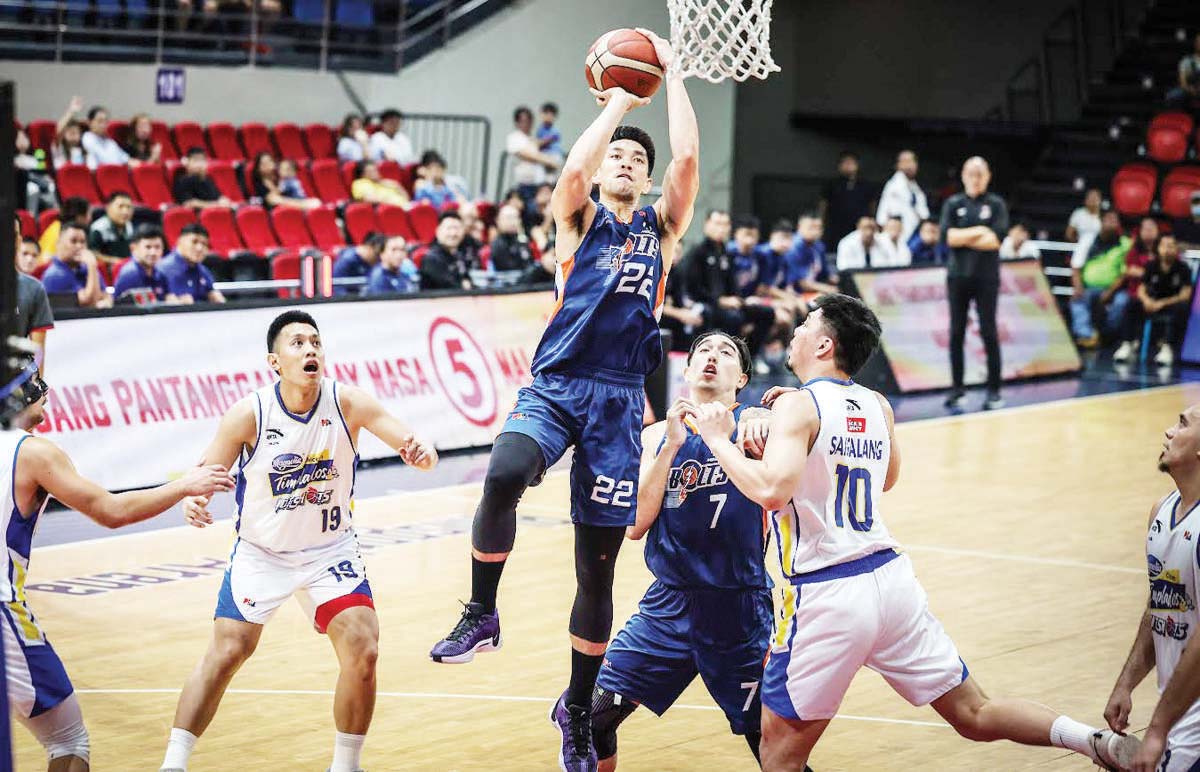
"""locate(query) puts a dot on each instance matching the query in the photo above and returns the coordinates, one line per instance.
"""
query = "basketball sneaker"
(1113, 751)
(475, 631)
(955, 399)
(577, 753)
(994, 401)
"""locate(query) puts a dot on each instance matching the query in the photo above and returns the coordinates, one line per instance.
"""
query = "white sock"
(347, 748)
(1070, 734)
(179, 749)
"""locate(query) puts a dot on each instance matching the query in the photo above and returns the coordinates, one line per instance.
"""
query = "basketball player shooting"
(589, 370)
(32, 470)
(297, 447)
(1166, 636)
(851, 599)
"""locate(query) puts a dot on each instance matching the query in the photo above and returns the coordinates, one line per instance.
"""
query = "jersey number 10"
(848, 482)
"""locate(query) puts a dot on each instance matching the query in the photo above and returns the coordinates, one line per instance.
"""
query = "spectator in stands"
(389, 143)
(1141, 252)
(289, 181)
(511, 249)
(431, 186)
(28, 254)
(264, 179)
(394, 273)
(139, 143)
(474, 232)
(1187, 93)
(268, 10)
(371, 186)
(682, 316)
(742, 251)
(74, 269)
(193, 187)
(32, 176)
(548, 136)
(926, 245)
(353, 142)
(530, 166)
(902, 197)
(101, 148)
(357, 261)
(891, 238)
(444, 265)
(110, 236)
(68, 138)
(1016, 244)
(33, 315)
(845, 199)
(774, 262)
(862, 248)
(537, 217)
(1187, 229)
(188, 279)
(75, 209)
(1164, 297)
(809, 266)
(1098, 278)
(710, 280)
(1085, 220)
(142, 272)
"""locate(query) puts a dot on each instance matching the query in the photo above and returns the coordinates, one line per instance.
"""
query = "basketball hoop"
(719, 39)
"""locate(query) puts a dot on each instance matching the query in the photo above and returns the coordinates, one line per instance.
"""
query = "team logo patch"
(288, 462)
(274, 436)
(1168, 593)
(985, 212)
(326, 422)
(852, 405)
(291, 471)
(1169, 628)
(856, 425)
(690, 476)
(248, 602)
(1154, 565)
(516, 416)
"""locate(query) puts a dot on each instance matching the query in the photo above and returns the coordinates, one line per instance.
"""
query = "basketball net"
(719, 39)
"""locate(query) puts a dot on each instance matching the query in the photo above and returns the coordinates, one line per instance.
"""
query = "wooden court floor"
(1026, 526)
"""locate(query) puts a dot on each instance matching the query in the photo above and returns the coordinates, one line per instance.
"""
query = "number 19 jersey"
(833, 517)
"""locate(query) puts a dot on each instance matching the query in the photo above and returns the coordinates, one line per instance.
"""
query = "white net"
(719, 39)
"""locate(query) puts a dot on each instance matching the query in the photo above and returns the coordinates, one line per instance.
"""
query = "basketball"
(625, 58)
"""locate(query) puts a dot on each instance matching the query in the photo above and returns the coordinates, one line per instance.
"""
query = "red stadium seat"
(162, 135)
(174, 220)
(321, 141)
(1176, 193)
(360, 220)
(1133, 189)
(325, 230)
(289, 142)
(485, 256)
(28, 224)
(151, 186)
(347, 169)
(188, 135)
(393, 221)
(424, 219)
(223, 237)
(41, 134)
(224, 175)
(418, 255)
(286, 265)
(305, 177)
(1173, 120)
(76, 180)
(408, 177)
(289, 226)
(45, 217)
(487, 212)
(327, 181)
(118, 130)
(111, 178)
(222, 138)
(1166, 144)
(255, 139)
(255, 228)
(391, 170)
(40, 269)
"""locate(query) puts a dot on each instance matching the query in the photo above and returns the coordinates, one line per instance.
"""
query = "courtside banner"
(135, 400)
(911, 305)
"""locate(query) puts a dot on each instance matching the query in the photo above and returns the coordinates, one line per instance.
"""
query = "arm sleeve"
(999, 223)
(944, 222)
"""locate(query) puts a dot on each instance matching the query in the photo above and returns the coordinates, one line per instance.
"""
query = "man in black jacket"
(445, 265)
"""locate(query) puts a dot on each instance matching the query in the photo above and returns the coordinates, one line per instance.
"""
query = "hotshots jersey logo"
(291, 473)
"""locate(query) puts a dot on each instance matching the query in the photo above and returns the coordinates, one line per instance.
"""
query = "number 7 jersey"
(834, 514)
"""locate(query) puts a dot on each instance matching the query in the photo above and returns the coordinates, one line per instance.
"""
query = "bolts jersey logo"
(690, 476)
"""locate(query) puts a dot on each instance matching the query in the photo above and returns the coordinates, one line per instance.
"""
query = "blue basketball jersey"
(708, 533)
(608, 299)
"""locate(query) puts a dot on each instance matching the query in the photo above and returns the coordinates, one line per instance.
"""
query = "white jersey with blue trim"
(18, 527)
(295, 490)
(834, 514)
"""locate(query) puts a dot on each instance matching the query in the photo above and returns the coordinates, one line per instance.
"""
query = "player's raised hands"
(1116, 713)
(206, 479)
(676, 429)
(713, 419)
(195, 511)
(417, 453)
(620, 96)
(774, 393)
(662, 48)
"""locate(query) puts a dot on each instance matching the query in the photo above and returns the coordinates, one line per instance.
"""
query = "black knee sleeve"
(754, 739)
(608, 711)
(515, 464)
(596, 550)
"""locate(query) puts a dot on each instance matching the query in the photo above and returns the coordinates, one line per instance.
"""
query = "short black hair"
(549, 107)
(71, 225)
(854, 328)
(715, 211)
(376, 240)
(449, 214)
(842, 156)
(634, 134)
(743, 348)
(31, 240)
(283, 320)
(522, 110)
(432, 157)
(95, 111)
(360, 167)
(117, 194)
(73, 207)
(194, 229)
(783, 225)
(743, 221)
(389, 114)
(148, 232)
(195, 150)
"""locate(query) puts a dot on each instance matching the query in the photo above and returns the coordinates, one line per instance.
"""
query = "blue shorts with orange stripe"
(599, 412)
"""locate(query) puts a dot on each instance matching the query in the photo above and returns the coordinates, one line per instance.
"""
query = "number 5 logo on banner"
(462, 371)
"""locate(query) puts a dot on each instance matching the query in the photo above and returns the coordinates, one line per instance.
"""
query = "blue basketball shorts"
(720, 635)
(601, 415)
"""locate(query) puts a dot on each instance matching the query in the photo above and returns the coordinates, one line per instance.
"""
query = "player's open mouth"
(312, 366)
(710, 369)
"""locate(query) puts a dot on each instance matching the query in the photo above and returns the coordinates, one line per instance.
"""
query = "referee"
(973, 224)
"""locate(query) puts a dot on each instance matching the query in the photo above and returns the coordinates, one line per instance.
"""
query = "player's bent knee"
(61, 731)
(608, 711)
(517, 462)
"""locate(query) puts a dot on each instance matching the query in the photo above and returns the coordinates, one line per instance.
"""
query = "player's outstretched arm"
(656, 465)
(364, 411)
(771, 481)
(238, 430)
(53, 471)
(681, 181)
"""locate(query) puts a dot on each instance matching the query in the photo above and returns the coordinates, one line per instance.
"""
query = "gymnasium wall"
(527, 54)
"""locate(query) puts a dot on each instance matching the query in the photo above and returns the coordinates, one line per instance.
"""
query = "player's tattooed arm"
(656, 465)
(364, 411)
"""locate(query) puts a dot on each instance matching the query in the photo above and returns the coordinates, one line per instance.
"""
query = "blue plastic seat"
(355, 13)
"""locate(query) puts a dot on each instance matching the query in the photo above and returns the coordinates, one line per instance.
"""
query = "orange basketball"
(625, 58)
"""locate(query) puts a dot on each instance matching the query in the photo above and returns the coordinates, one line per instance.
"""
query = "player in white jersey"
(851, 598)
(32, 470)
(1166, 638)
(296, 444)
